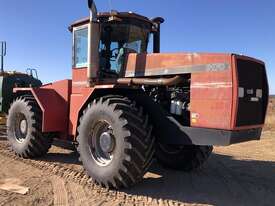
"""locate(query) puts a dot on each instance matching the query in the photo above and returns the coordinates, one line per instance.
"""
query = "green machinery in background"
(11, 79)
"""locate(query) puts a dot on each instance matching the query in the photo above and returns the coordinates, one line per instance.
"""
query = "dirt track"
(242, 174)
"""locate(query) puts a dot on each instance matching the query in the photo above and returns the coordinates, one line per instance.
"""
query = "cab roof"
(109, 16)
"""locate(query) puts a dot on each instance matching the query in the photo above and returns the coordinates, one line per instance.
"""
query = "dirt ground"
(242, 174)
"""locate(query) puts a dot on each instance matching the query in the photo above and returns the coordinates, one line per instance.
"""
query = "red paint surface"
(151, 62)
(213, 100)
(78, 99)
(54, 101)
(212, 95)
(79, 75)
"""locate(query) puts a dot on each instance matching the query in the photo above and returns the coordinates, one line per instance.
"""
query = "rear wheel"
(24, 130)
(115, 142)
(186, 157)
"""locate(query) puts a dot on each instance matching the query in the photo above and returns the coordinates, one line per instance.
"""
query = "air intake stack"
(3, 52)
(93, 43)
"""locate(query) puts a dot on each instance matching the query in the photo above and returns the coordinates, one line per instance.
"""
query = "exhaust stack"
(93, 43)
(3, 52)
(93, 10)
(156, 45)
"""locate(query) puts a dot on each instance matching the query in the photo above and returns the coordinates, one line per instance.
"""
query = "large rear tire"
(186, 158)
(115, 142)
(24, 130)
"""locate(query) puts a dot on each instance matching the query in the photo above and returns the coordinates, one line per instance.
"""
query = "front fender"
(53, 100)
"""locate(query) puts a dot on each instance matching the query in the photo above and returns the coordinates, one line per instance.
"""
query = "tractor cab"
(120, 38)
(117, 34)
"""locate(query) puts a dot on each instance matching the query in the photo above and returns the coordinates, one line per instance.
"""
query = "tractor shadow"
(63, 158)
(222, 181)
(62, 153)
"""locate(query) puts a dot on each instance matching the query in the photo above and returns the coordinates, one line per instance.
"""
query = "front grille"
(253, 93)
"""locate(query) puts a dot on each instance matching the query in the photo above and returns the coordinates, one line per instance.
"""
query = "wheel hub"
(23, 126)
(102, 143)
(106, 142)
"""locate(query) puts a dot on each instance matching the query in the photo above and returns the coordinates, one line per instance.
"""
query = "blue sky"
(37, 34)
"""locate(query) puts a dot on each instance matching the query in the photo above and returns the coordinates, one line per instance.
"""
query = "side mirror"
(3, 47)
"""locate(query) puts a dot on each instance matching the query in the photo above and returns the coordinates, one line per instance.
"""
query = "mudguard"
(54, 100)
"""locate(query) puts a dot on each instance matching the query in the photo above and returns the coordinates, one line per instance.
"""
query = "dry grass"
(270, 119)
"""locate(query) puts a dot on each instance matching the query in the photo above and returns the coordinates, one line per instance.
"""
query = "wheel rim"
(21, 127)
(102, 143)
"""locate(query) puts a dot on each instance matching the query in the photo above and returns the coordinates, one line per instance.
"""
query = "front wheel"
(24, 129)
(115, 142)
(186, 157)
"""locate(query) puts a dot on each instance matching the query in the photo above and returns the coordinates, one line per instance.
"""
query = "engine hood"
(162, 64)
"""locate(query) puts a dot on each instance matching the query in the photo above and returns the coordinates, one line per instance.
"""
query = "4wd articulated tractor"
(124, 107)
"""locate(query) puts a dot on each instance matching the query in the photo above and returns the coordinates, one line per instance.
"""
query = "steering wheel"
(114, 54)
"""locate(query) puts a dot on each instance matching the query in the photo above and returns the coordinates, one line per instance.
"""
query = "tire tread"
(137, 135)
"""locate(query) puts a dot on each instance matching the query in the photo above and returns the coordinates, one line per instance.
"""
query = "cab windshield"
(118, 40)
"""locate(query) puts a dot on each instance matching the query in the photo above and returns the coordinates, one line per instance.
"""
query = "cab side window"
(80, 57)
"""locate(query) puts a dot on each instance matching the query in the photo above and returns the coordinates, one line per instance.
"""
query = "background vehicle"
(123, 105)
(11, 79)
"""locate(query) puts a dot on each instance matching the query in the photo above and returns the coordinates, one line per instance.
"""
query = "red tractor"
(123, 106)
